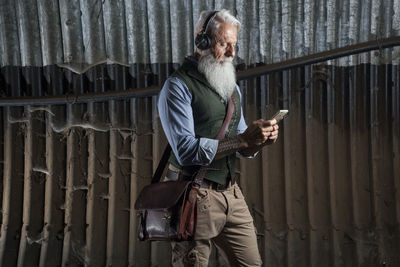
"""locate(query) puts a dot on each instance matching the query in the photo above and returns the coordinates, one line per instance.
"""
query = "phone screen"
(280, 114)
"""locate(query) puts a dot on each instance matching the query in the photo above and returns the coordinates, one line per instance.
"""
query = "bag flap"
(161, 195)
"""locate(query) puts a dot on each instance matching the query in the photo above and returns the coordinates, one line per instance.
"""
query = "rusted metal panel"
(97, 197)
(34, 178)
(295, 173)
(1, 158)
(325, 194)
(81, 34)
(75, 190)
(275, 184)
(316, 168)
(339, 174)
(51, 250)
(13, 182)
(339, 109)
(134, 177)
(144, 250)
(119, 187)
(396, 136)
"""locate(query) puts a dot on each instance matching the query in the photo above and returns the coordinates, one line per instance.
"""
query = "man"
(192, 106)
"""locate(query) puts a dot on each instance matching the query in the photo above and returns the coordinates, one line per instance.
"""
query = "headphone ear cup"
(203, 41)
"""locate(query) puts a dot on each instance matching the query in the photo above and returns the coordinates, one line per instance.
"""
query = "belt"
(175, 174)
(215, 186)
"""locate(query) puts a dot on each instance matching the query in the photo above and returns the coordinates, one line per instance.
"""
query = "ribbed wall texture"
(326, 194)
(79, 34)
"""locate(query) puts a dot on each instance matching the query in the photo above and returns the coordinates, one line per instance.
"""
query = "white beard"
(221, 77)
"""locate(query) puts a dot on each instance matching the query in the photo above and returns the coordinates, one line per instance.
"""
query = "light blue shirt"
(175, 110)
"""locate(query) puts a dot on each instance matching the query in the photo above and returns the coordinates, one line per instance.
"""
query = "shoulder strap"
(202, 171)
(227, 120)
(161, 165)
(198, 179)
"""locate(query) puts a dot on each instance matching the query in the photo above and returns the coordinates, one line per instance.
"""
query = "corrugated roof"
(79, 34)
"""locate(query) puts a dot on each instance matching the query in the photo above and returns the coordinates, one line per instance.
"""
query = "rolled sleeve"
(175, 110)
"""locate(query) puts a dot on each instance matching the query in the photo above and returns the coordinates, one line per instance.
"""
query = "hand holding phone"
(273, 134)
(280, 115)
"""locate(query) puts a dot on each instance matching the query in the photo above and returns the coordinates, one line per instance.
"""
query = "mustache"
(223, 60)
(226, 59)
(210, 58)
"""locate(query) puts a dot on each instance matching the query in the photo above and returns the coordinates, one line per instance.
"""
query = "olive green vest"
(209, 111)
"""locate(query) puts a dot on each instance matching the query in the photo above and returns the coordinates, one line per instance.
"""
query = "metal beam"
(241, 75)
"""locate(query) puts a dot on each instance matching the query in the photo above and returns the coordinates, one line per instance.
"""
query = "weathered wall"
(79, 34)
(326, 194)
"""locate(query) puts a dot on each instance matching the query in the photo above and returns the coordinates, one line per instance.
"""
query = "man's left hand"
(272, 134)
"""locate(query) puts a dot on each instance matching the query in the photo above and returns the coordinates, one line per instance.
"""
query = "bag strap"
(201, 173)
(167, 152)
(187, 224)
(161, 165)
(228, 118)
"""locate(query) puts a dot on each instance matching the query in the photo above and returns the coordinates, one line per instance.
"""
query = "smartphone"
(280, 114)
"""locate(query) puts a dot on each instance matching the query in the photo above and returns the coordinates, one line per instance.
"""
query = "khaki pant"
(221, 216)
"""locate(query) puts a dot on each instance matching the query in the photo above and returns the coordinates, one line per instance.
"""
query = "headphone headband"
(207, 21)
(203, 40)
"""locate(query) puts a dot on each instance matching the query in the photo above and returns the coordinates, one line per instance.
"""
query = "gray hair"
(222, 16)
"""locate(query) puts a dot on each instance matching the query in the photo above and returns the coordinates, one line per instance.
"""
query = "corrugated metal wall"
(79, 34)
(326, 194)
(329, 192)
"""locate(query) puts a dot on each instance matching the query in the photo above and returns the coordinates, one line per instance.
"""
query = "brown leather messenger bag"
(167, 210)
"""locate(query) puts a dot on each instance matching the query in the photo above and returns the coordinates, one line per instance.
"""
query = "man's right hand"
(257, 135)
(258, 132)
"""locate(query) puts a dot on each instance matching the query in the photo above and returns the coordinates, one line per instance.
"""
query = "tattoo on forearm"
(230, 144)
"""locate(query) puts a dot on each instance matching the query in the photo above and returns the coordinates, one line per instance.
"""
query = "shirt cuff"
(208, 149)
